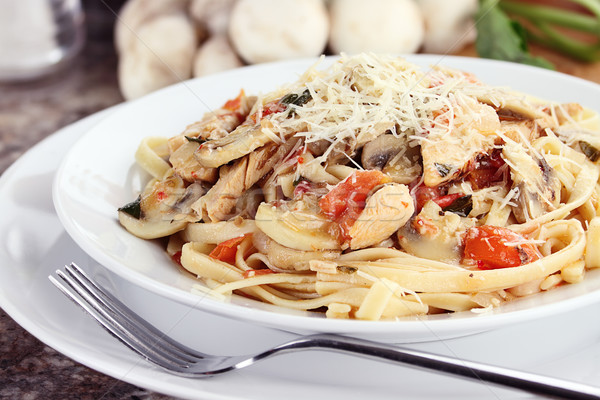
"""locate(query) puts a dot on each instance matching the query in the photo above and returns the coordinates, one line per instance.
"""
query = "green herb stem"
(552, 15)
(571, 47)
(547, 18)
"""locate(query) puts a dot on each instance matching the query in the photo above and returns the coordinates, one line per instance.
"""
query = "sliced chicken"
(448, 154)
(220, 201)
(386, 210)
(218, 123)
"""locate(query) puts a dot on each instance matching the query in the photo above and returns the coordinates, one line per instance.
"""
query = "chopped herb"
(304, 98)
(442, 169)
(289, 98)
(461, 206)
(297, 181)
(195, 139)
(134, 208)
(296, 99)
(346, 270)
(590, 151)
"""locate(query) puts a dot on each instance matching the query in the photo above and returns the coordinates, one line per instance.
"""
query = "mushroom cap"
(136, 13)
(267, 30)
(212, 13)
(154, 60)
(449, 25)
(215, 55)
(379, 26)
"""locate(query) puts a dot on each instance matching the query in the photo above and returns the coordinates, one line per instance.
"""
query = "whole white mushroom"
(162, 54)
(214, 14)
(449, 25)
(379, 26)
(136, 13)
(215, 55)
(269, 30)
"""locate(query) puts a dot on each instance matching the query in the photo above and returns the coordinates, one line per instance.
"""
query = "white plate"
(33, 244)
(98, 175)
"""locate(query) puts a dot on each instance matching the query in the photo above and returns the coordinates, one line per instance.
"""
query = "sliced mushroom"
(153, 214)
(287, 258)
(538, 187)
(303, 229)
(434, 234)
(186, 166)
(243, 140)
(379, 152)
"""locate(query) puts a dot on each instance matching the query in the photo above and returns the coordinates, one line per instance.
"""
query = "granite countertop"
(28, 113)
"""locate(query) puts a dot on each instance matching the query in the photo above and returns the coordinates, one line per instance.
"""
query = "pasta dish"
(374, 190)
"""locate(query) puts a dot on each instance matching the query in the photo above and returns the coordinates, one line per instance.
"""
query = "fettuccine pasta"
(374, 190)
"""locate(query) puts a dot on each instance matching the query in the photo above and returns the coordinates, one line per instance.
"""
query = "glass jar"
(38, 36)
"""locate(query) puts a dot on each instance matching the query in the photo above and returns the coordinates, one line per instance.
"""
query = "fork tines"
(123, 323)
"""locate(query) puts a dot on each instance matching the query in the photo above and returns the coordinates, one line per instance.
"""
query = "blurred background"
(62, 60)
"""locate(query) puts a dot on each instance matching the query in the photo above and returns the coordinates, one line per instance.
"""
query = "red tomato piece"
(176, 257)
(487, 171)
(346, 200)
(272, 107)
(446, 200)
(351, 192)
(225, 251)
(302, 187)
(234, 104)
(493, 247)
(423, 194)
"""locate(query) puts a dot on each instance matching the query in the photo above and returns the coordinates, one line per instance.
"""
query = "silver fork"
(175, 358)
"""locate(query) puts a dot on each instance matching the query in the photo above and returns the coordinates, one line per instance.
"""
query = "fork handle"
(533, 383)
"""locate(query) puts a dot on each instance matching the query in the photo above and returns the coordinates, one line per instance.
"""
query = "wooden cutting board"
(590, 71)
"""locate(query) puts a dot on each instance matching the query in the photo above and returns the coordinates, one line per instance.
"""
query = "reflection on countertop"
(29, 112)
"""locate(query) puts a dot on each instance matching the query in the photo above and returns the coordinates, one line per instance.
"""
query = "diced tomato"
(176, 257)
(493, 247)
(346, 200)
(225, 251)
(161, 195)
(234, 104)
(446, 200)
(487, 171)
(351, 192)
(302, 187)
(251, 273)
(423, 194)
(272, 107)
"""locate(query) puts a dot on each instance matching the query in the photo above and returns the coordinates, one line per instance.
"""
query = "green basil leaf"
(134, 208)
(461, 206)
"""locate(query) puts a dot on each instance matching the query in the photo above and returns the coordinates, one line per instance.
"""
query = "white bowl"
(99, 174)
